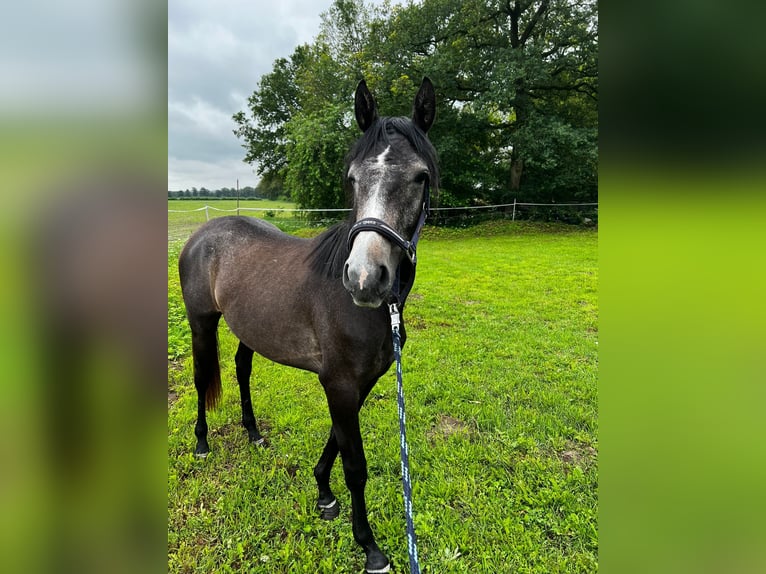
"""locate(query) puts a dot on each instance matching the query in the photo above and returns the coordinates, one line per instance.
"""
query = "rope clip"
(393, 308)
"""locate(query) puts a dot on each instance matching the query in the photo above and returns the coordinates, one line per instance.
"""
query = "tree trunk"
(517, 166)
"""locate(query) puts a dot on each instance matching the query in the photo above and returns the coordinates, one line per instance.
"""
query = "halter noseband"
(381, 227)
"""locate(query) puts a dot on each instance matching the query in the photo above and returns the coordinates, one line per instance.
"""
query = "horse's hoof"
(377, 564)
(260, 441)
(329, 511)
(201, 454)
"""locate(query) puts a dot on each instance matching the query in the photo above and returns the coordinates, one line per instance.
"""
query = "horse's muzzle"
(369, 270)
(369, 285)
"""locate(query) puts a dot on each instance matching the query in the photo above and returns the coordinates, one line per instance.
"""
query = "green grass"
(500, 379)
(183, 218)
(265, 204)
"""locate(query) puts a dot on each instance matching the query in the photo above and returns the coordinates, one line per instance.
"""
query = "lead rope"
(412, 543)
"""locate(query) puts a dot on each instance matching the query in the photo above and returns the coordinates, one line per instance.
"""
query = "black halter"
(403, 282)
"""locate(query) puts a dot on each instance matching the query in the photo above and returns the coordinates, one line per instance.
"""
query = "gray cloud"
(217, 52)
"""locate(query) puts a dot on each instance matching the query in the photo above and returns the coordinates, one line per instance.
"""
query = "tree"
(271, 186)
(318, 144)
(298, 126)
(517, 88)
(511, 76)
(271, 106)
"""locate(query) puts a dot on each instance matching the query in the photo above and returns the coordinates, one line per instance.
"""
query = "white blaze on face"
(370, 266)
(380, 162)
(375, 206)
(369, 242)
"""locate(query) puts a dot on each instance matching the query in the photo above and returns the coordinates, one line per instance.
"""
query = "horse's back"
(217, 240)
(223, 231)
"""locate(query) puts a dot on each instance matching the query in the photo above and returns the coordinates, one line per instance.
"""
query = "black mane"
(331, 250)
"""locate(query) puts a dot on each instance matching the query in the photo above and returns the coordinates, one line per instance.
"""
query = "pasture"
(500, 380)
(189, 214)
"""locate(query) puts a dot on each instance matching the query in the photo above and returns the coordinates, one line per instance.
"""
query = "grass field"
(500, 377)
(186, 215)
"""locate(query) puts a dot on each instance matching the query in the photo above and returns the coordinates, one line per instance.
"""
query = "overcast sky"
(217, 52)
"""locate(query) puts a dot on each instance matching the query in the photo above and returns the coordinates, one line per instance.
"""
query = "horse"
(318, 304)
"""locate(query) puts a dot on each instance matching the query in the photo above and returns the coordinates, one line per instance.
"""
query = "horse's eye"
(421, 177)
(351, 179)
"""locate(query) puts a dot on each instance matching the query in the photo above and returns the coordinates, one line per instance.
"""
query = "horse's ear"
(424, 108)
(365, 108)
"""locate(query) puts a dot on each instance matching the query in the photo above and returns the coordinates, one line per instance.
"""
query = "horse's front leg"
(327, 503)
(344, 401)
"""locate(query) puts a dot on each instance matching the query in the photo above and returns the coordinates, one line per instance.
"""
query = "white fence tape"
(275, 209)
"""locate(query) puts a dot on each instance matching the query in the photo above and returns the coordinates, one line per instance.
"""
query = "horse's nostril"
(345, 273)
(383, 274)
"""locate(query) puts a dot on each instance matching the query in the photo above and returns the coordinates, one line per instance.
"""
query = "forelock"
(378, 137)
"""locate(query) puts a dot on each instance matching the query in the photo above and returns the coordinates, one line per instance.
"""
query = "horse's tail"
(194, 275)
(213, 394)
(207, 370)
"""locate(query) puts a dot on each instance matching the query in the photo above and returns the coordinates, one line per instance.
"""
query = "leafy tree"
(318, 144)
(271, 106)
(298, 126)
(271, 186)
(509, 75)
(517, 97)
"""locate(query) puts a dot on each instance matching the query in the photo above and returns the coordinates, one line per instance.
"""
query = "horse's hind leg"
(207, 376)
(244, 362)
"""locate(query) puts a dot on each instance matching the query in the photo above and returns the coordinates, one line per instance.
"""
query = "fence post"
(207, 214)
(513, 217)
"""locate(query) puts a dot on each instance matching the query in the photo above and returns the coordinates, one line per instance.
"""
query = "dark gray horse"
(317, 304)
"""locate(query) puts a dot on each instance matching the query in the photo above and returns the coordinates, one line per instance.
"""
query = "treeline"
(264, 190)
(223, 193)
(517, 98)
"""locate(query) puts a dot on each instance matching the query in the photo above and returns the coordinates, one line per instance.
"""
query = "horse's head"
(389, 171)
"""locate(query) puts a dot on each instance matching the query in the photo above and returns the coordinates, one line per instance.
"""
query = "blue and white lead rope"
(412, 542)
